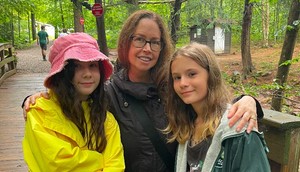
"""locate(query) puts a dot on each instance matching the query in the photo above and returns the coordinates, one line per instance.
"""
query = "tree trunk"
(33, 28)
(12, 28)
(265, 22)
(101, 33)
(77, 9)
(62, 14)
(286, 54)
(28, 27)
(245, 42)
(276, 21)
(19, 25)
(175, 20)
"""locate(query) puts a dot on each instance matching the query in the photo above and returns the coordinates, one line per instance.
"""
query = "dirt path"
(30, 60)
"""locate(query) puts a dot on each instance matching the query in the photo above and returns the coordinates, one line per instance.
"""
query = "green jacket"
(231, 151)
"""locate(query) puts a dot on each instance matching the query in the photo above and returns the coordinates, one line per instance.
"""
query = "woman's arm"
(30, 100)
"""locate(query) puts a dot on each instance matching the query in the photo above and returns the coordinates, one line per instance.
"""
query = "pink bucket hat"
(77, 46)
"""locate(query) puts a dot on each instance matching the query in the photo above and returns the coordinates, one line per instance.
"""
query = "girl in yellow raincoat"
(73, 131)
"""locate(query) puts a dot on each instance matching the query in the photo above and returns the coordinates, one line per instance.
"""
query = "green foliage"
(114, 18)
(15, 13)
(116, 12)
(289, 62)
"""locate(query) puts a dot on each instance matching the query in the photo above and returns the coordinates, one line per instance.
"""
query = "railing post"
(282, 134)
(8, 58)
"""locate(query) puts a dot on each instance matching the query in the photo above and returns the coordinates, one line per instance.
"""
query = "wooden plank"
(12, 92)
(7, 74)
(282, 121)
(294, 151)
(4, 46)
(274, 138)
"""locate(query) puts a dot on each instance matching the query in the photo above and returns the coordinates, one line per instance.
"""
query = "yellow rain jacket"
(54, 143)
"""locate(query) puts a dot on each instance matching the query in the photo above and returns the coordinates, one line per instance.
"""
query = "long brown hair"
(71, 106)
(158, 72)
(181, 116)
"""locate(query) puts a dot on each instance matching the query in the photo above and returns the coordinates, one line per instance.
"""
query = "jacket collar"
(141, 91)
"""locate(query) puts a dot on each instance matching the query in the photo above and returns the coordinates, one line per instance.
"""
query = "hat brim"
(80, 53)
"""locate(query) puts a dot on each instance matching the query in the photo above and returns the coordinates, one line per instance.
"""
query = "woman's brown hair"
(158, 72)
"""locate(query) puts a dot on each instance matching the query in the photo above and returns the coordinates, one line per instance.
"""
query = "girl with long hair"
(72, 130)
(197, 108)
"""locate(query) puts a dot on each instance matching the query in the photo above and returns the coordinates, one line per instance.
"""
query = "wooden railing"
(8, 61)
(282, 134)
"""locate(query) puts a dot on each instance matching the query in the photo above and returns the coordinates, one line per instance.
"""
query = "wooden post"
(282, 134)
(7, 58)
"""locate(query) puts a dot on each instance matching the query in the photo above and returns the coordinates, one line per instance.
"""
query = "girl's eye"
(93, 64)
(191, 74)
(176, 78)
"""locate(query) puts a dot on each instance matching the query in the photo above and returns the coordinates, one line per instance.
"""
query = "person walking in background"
(197, 108)
(63, 33)
(42, 40)
(73, 131)
(139, 90)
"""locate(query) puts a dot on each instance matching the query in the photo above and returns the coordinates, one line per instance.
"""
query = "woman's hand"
(31, 101)
(245, 108)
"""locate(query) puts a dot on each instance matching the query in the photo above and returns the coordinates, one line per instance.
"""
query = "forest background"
(20, 20)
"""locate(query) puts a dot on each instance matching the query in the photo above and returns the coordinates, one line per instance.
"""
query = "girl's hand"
(31, 101)
(245, 108)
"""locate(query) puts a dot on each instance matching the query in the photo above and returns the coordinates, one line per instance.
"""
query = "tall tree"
(265, 14)
(62, 14)
(245, 42)
(276, 20)
(175, 20)
(101, 32)
(28, 26)
(12, 28)
(33, 28)
(77, 9)
(293, 25)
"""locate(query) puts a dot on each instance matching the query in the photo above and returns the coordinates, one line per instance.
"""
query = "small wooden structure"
(282, 134)
(8, 61)
(215, 34)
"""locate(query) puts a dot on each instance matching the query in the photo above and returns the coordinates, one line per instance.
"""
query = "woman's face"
(142, 59)
(86, 78)
(189, 80)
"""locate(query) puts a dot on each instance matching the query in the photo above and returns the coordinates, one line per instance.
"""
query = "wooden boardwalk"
(12, 92)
